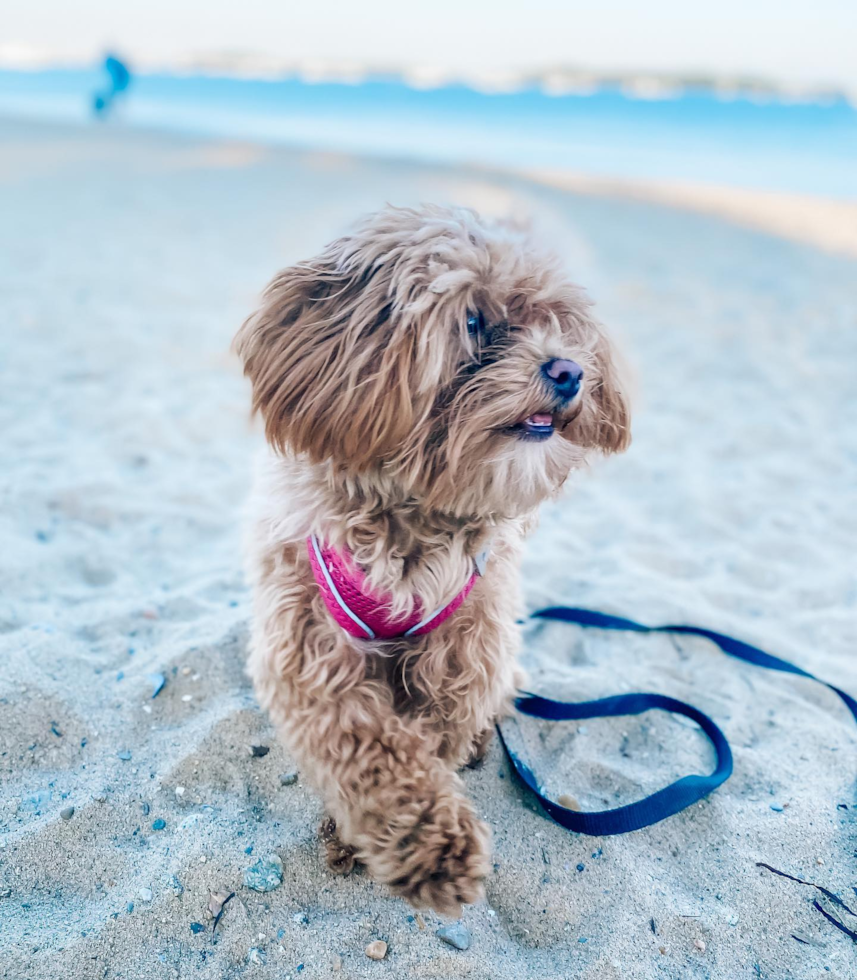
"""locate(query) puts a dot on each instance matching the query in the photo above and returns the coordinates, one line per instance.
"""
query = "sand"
(127, 260)
(825, 222)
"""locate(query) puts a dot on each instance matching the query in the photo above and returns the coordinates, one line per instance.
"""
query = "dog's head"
(440, 353)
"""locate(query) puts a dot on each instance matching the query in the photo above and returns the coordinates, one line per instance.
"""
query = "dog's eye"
(475, 323)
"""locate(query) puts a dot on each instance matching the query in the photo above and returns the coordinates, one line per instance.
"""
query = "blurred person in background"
(119, 78)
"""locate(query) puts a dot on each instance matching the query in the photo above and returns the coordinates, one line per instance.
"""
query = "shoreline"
(826, 223)
(555, 82)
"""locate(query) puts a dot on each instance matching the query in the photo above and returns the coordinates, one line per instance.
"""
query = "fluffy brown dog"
(425, 383)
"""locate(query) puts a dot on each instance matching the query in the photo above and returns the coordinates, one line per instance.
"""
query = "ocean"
(799, 147)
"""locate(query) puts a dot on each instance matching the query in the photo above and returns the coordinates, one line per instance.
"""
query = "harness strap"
(363, 613)
(678, 795)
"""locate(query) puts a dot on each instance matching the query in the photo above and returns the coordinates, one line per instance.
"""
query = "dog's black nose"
(563, 376)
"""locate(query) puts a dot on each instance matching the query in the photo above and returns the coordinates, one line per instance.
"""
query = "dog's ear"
(605, 420)
(330, 376)
(611, 395)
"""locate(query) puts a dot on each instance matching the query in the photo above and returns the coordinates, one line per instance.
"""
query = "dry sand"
(827, 223)
(127, 261)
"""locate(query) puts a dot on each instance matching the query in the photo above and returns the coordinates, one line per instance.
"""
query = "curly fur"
(391, 434)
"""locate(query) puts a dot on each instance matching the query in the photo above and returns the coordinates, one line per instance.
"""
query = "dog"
(425, 383)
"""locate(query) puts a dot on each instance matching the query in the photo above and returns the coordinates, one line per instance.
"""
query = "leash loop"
(683, 792)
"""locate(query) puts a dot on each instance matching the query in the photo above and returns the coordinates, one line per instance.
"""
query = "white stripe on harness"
(335, 592)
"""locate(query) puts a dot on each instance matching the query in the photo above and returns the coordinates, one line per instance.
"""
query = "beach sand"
(127, 261)
(825, 222)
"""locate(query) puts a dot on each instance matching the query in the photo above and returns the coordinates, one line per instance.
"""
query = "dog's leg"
(480, 748)
(394, 801)
(400, 807)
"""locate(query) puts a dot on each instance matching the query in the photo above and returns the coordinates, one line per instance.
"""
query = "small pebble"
(159, 824)
(301, 918)
(129, 907)
(124, 754)
(216, 901)
(259, 751)
(581, 867)
(145, 894)
(569, 802)
(776, 808)
(67, 812)
(196, 927)
(256, 955)
(187, 697)
(456, 935)
(662, 950)
(288, 778)
(376, 950)
(336, 962)
(699, 944)
(179, 790)
(265, 875)
(157, 681)
(176, 886)
(144, 809)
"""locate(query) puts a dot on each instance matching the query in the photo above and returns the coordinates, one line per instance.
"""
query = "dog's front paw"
(443, 861)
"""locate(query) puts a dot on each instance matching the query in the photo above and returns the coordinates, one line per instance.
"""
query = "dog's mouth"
(536, 427)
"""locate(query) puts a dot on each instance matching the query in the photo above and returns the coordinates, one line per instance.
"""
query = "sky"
(811, 42)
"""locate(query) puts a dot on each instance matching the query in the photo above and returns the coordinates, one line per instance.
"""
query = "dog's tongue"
(541, 418)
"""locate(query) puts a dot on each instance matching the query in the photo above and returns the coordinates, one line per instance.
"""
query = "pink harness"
(363, 613)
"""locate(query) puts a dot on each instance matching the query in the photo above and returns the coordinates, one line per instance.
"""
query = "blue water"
(804, 148)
